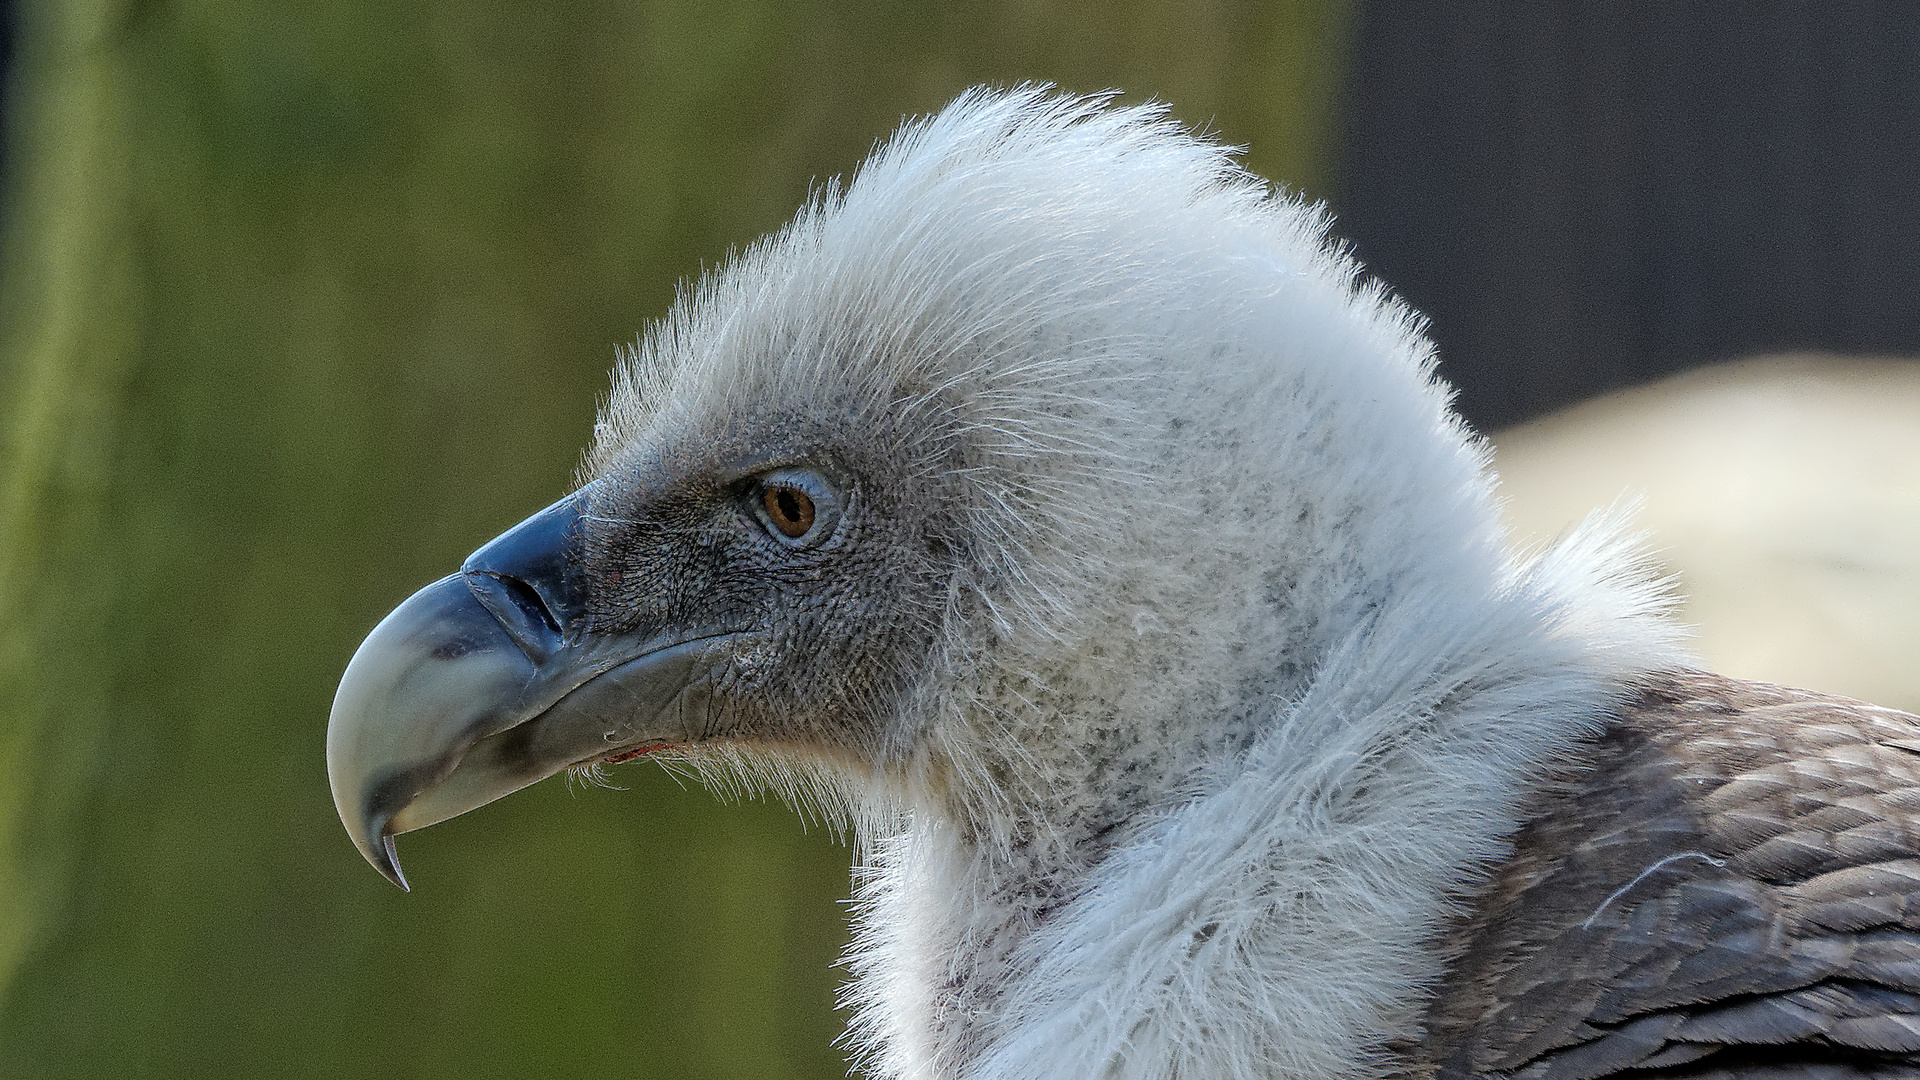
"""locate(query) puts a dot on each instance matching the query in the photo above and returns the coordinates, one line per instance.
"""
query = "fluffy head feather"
(1194, 671)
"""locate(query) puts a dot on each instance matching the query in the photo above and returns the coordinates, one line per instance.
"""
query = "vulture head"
(1054, 501)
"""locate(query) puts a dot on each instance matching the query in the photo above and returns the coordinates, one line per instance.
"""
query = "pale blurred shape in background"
(1784, 494)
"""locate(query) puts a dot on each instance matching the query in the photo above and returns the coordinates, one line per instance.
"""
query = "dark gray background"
(1586, 195)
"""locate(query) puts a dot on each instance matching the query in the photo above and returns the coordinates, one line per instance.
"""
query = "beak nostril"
(521, 612)
(532, 570)
(529, 600)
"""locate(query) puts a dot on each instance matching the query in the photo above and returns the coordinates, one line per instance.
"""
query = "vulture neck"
(1161, 857)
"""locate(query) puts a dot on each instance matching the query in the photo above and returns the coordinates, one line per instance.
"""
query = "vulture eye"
(797, 506)
(790, 510)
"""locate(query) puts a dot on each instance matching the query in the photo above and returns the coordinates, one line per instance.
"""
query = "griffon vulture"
(1056, 502)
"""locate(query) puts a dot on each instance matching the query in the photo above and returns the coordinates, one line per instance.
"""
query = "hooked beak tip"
(386, 859)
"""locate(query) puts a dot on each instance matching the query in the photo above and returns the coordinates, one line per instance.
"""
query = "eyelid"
(756, 467)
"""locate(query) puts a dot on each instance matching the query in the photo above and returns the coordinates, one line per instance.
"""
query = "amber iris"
(790, 510)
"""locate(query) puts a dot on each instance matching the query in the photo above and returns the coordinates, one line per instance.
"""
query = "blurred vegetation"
(300, 303)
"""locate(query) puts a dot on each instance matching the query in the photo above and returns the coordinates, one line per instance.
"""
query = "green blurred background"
(299, 304)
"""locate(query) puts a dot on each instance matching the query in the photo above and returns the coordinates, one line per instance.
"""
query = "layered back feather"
(1239, 681)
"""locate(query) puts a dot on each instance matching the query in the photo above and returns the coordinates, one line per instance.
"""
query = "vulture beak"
(492, 678)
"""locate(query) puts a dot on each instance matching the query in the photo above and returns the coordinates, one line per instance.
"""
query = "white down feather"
(1233, 547)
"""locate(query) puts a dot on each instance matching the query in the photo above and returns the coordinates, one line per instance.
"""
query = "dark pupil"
(791, 510)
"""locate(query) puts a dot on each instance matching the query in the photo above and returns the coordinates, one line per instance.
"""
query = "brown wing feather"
(1730, 888)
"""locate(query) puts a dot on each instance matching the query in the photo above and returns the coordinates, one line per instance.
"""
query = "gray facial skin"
(490, 679)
